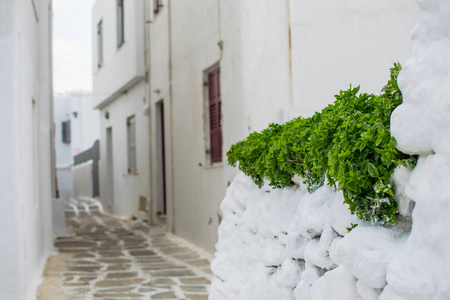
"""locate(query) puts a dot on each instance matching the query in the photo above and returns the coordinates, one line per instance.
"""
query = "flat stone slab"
(162, 281)
(196, 297)
(164, 295)
(114, 283)
(163, 266)
(195, 280)
(142, 253)
(118, 295)
(84, 255)
(74, 244)
(89, 269)
(173, 273)
(117, 290)
(194, 288)
(118, 267)
(114, 260)
(121, 275)
(199, 263)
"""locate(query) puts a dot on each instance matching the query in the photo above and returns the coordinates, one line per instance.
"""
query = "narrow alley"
(109, 258)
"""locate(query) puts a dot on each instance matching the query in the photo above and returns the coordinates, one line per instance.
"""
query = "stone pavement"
(110, 258)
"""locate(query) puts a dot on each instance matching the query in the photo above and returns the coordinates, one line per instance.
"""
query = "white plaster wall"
(198, 187)
(256, 83)
(338, 43)
(127, 188)
(26, 137)
(82, 180)
(62, 112)
(64, 157)
(86, 126)
(64, 178)
(121, 67)
(255, 87)
(158, 89)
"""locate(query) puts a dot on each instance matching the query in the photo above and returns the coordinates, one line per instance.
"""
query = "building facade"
(27, 180)
(76, 130)
(219, 70)
(119, 95)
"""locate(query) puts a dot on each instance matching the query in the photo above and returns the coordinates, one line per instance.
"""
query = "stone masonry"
(111, 258)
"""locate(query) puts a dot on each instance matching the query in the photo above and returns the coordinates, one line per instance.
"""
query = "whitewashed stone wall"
(421, 126)
(288, 244)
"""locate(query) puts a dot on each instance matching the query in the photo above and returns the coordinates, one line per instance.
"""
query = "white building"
(119, 94)
(26, 135)
(76, 130)
(219, 70)
(64, 157)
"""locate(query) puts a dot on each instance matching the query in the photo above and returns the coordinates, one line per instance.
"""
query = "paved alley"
(110, 258)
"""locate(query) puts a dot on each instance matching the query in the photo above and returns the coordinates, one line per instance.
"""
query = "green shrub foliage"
(347, 145)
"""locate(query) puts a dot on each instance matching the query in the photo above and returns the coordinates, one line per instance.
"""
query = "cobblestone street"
(110, 258)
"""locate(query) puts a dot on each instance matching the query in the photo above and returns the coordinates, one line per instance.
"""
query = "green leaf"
(373, 171)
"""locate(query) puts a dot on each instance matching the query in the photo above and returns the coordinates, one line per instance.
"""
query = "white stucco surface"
(64, 159)
(124, 66)
(338, 43)
(26, 139)
(127, 188)
(85, 121)
(197, 185)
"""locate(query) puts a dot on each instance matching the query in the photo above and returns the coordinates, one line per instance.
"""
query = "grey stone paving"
(110, 258)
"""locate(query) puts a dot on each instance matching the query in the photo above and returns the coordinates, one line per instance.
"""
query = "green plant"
(348, 145)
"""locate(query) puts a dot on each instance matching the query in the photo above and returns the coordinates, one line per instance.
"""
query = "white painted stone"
(365, 252)
(336, 284)
(366, 292)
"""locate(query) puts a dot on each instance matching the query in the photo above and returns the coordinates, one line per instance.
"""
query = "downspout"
(147, 58)
(172, 181)
(291, 86)
(55, 191)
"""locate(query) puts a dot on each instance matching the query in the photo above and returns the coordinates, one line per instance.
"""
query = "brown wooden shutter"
(215, 126)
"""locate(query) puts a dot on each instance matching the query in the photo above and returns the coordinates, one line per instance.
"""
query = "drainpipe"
(291, 86)
(147, 57)
(172, 181)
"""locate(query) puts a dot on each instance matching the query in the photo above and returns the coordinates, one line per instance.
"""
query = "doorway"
(161, 201)
(109, 171)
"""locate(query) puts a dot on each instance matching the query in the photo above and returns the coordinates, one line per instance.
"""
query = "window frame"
(65, 132)
(120, 23)
(131, 145)
(100, 44)
(213, 119)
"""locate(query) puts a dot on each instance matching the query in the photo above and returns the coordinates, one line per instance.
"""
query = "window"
(158, 5)
(131, 143)
(215, 107)
(120, 24)
(66, 132)
(100, 44)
